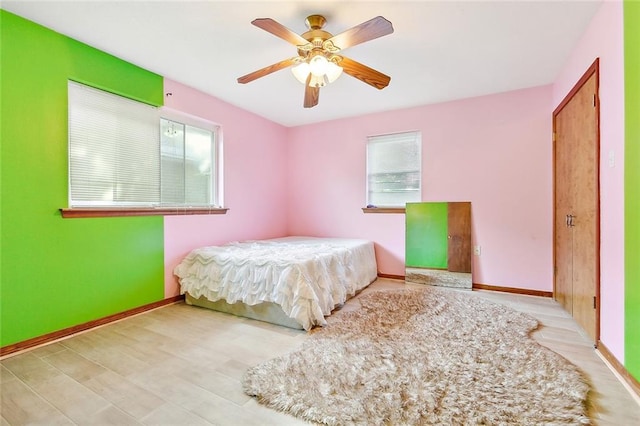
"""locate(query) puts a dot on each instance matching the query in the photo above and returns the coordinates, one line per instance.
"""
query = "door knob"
(569, 220)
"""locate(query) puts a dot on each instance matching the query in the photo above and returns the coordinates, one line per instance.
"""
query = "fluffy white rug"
(432, 357)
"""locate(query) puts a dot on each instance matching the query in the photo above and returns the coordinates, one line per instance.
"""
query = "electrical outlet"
(477, 250)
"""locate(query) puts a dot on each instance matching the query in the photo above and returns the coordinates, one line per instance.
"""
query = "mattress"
(306, 277)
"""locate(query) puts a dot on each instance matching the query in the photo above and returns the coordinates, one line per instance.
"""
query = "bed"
(291, 281)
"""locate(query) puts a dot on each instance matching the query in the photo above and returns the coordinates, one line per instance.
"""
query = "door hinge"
(594, 99)
(553, 137)
(594, 302)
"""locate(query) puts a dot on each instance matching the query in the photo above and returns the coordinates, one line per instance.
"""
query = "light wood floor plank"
(136, 401)
(183, 365)
(21, 405)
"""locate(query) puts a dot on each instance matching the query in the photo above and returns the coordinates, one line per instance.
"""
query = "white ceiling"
(439, 51)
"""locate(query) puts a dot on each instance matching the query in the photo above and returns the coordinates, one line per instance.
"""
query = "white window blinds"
(393, 169)
(114, 150)
(122, 153)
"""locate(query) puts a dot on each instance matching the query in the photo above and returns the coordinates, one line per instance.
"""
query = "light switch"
(612, 159)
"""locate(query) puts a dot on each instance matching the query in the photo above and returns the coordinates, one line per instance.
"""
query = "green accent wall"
(632, 186)
(426, 235)
(55, 272)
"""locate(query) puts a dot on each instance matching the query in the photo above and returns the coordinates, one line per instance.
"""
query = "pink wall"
(494, 151)
(255, 172)
(604, 39)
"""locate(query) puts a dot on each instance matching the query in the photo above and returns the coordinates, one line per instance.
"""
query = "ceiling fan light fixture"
(301, 71)
(333, 72)
(318, 80)
(318, 65)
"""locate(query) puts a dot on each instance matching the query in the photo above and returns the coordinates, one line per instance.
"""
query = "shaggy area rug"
(432, 357)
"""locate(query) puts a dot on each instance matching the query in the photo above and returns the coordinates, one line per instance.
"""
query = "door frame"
(593, 69)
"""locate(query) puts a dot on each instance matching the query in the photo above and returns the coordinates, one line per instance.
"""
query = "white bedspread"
(308, 277)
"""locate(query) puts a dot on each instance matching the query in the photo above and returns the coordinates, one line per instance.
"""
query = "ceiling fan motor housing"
(315, 22)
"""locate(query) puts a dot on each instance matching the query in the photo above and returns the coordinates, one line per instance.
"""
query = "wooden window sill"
(70, 213)
(400, 210)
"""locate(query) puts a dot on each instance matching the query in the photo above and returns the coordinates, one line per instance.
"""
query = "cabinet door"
(426, 235)
(459, 250)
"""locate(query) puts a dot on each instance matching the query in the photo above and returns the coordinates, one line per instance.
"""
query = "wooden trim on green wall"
(70, 331)
(121, 212)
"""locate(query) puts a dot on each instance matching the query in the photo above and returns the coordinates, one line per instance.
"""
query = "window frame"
(217, 164)
(370, 208)
(141, 209)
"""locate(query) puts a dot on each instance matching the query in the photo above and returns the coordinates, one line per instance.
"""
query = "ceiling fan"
(318, 62)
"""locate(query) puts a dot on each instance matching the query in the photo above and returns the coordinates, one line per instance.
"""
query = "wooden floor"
(182, 365)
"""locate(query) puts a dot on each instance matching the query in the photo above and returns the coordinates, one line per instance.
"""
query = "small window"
(188, 164)
(393, 169)
(123, 154)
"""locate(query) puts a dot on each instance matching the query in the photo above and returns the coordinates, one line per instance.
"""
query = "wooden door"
(459, 227)
(576, 222)
(563, 240)
(584, 220)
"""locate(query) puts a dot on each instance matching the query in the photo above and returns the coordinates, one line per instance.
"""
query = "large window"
(122, 153)
(393, 169)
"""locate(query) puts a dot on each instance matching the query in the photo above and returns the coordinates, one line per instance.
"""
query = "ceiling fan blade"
(364, 73)
(311, 94)
(279, 30)
(372, 29)
(267, 70)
